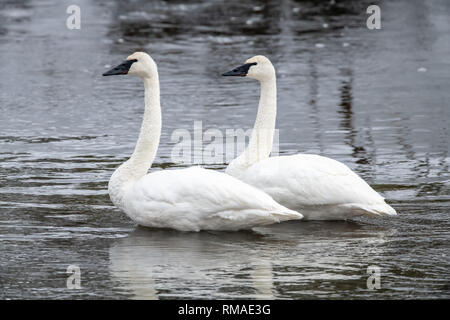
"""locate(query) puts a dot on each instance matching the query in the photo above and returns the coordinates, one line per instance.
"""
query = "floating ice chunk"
(345, 44)
(120, 40)
(296, 10)
(320, 45)
(325, 25)
(422, 69)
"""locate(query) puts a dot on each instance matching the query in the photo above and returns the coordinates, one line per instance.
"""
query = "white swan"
(189, 199)
(320, 188)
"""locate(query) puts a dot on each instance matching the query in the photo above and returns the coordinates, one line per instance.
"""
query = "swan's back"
(196, 199)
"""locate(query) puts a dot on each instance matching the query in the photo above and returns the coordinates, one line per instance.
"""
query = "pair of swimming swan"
(255, 190)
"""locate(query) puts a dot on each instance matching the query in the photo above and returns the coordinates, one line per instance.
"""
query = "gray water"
(377, 100)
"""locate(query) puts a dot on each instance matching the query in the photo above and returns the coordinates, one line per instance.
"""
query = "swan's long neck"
(146, 147)
(261, 140)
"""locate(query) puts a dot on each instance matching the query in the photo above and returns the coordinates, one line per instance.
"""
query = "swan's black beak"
(122, 68)
(240, 71)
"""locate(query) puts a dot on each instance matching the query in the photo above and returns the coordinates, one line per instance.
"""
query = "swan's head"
(138, 64)
(257, 67)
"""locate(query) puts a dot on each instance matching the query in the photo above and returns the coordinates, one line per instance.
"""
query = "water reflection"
(347, 122)
(313, 82)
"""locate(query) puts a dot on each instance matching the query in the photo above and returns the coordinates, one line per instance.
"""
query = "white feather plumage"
(319, 187)
(195, 199)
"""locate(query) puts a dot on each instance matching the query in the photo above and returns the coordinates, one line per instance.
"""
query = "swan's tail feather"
(248, 219)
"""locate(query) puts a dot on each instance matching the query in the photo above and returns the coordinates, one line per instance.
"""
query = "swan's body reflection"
(179, 261)
(152, 263)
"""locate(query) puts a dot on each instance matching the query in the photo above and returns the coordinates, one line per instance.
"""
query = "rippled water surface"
(377, 100)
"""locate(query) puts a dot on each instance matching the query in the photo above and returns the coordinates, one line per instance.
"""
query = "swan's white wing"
(304, 180)
(197, 199)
